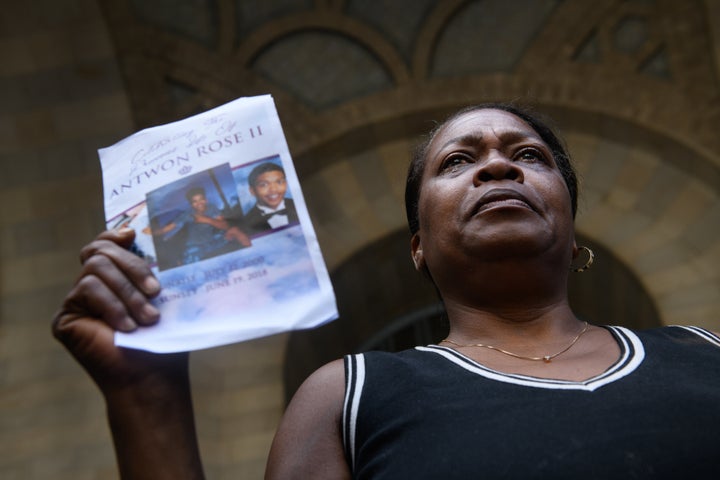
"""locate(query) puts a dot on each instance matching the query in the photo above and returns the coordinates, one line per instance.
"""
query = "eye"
(531, 155)
(454, 161)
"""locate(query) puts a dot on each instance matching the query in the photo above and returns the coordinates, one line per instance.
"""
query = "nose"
(498, 167)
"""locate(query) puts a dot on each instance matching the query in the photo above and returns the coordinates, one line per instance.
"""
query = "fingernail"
(151, 285)
(150, 312)
(127, 325)
(125, 230)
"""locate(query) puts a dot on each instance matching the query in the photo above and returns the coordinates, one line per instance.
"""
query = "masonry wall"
(61, 97)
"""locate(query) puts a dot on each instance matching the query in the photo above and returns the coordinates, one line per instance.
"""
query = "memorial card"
(219, 216)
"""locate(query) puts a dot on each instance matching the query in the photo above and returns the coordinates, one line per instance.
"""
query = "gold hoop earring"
(591, 257)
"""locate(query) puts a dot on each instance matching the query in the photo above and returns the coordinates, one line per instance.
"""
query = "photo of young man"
(272, 210)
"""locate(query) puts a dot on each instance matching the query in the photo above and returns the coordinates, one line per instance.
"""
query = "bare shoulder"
(329, 376)
(308, 443)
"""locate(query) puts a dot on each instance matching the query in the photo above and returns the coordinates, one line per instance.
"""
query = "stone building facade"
(634, 86)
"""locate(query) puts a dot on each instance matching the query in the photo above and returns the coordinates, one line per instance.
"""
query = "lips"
(501, 197)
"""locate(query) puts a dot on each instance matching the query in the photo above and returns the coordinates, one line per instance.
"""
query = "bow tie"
(277, 212)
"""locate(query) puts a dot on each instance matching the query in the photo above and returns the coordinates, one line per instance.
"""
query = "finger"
(132, 266)
(122, 239)
(92, 298)
(82, 336)
(71, 328)
(122, 236)
(101, 268)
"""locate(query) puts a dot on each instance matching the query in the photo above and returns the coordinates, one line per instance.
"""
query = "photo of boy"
(272, 210)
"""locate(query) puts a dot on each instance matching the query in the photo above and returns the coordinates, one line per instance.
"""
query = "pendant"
(547, 359)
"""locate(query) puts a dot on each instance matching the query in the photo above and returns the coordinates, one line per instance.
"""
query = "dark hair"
(263, 168)
(417, 164)
(194, 191)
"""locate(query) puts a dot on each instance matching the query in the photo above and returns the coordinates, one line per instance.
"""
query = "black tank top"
(433, 413)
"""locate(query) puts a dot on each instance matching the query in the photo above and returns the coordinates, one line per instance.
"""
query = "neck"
(506, 302)
(520, 284)
(262, 206)
(514, 325)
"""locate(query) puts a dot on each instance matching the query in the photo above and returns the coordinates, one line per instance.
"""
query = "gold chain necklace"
(545, 358)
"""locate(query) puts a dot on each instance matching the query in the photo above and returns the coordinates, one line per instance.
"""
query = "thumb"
(124, 236)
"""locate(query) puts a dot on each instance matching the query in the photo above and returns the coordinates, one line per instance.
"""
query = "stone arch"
(330, 22)
(317, 66)
(471, 34)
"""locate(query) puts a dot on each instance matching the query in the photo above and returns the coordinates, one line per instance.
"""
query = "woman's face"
(198, 202)
(490, 190)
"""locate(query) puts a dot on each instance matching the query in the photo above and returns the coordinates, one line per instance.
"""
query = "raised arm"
(147, 395)
(308, 443)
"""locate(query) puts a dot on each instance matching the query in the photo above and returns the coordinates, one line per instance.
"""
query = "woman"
(207, 233)
(520, 388)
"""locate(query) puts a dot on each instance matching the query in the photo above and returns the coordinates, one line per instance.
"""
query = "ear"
(417, 253)
(575, 250)
(252, 191)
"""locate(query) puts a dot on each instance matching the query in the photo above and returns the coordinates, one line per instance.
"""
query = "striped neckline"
(632, 354)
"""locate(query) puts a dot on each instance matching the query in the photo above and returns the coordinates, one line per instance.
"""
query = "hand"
(148, 397)
(113, 293)
(237, 235)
